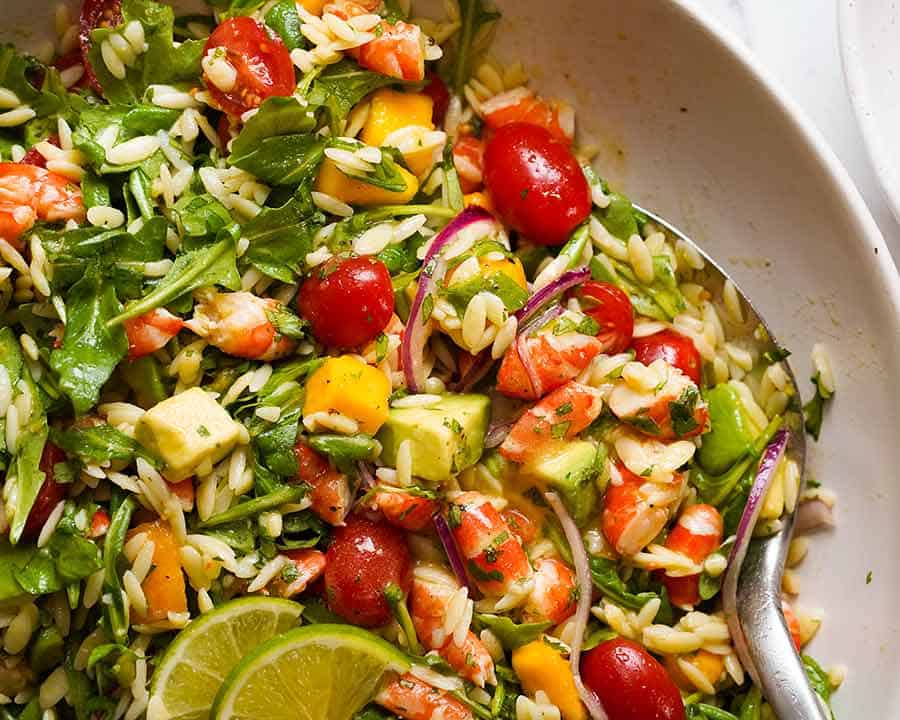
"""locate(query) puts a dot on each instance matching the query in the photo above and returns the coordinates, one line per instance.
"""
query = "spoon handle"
(777, 668)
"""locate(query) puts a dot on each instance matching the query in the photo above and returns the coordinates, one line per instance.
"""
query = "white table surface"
(797, 42)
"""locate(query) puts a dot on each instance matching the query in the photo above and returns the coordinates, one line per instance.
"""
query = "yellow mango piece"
(391, 110)
(712, 666)
(479, 199)
(313, 6)
(540, 667)
(355, 192)
(347, 385)
(512, 268)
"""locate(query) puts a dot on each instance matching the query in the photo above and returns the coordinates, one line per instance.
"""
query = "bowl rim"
(857, 89)
(843, 188)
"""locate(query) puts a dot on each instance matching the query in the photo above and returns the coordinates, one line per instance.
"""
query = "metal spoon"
(760, 634)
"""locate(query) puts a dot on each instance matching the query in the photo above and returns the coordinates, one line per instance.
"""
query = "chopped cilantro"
(776, 355)
(454, 516)
(203, 431)
(559, 430)
(427, 308)
(682, 411)
(869, 578)
(381, 347)
(564, 409)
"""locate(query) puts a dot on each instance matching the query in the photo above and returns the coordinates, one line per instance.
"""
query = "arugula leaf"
(98, 443)
(284, 19)
(12, 560)
(605, 576)
(512, 635)
(201, 215)
(451, 189)
(92, 346)
(461, 58)
(66, 559)
(115, 613)
(618, 217)
(301, 530)
(661, 300)
(251, 508)
(280, 238)
(347, 448)
(162, 63)
(819, 680)
(284, 159)
(27, 458)
(16, 69)
(238, 535)
(275, 445)
(500, 284)
(341, 86)
(814, 410)
(287, 324)
(682, 411)
(208, 265)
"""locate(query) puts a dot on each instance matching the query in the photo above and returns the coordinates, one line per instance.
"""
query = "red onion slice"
(476, 372)
(814, 514)
(583, 610)
(456, 561)
(566, 281)
(416, 336)
(364, 472)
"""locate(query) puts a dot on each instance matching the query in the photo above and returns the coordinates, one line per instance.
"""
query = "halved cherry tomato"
(262, 62)
(49, 495)
(347, 302)
(631, 683)
(536, 183)
(99, 523)
(330, 495)
(676, 349)
(468, 159)
(95, 14)
(149, 332)
(437, 90)
(611, 308)
(33, 157)
(71, 59)
(793, 624)
(364, 558)
(29, 193)
(397, 51)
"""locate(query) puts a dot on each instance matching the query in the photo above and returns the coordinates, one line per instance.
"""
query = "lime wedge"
(201, 656)
(318, 672)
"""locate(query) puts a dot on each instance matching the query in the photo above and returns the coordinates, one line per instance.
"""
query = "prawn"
(414, 699)
(555, 593)
(331, 496)
(151, 331)
(29, 193)
(305, 566)
(403, 509)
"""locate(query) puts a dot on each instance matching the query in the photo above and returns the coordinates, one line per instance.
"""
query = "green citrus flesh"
(318, 672)
(197, 662)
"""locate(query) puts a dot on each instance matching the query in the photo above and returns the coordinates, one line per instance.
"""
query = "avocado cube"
(570, 469)
(445, 438)
(186, 431)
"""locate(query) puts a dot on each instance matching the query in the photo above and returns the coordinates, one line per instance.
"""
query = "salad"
(335, 381)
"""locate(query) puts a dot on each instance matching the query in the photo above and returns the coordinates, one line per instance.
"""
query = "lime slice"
(201, 656)
(318, 672)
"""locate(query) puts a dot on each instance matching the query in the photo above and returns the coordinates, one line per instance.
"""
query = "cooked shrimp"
(560, 416)
(555, 593)
(240, 324)
(635, 510)
(331, 496)
(494, 555)
(405, 510)
(149, 332)
(437, 606)
(468, 159)
(397, 51)
(29, 193)
(306, 565)
(696, 534)
(414, 699)
(521, 105)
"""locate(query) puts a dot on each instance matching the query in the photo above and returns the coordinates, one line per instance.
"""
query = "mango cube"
(348, 386)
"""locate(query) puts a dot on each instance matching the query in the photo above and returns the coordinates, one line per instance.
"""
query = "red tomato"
(631, 683)
(611, 308)
(347, 302)
(94, 14)
(437, 90)
(49, 495)
(99, 523)
(676, 349)
(263, 65)
(363, 559)
(33, 157)
(149, 332)
(536, 183)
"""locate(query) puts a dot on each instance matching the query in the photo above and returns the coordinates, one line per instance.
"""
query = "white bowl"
(871, 55)
(687, 125)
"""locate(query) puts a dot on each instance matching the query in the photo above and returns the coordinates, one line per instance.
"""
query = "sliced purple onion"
(476, 372)
(764, 475)
(522, 345)
(497, 433)
(814, 514)
(566, 281)
(366, 477)
(456, 561)
(583, 609)
(416, 336)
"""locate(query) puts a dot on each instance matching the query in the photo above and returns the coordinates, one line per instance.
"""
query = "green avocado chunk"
(569, 468)
(731, 430)
(445, 438)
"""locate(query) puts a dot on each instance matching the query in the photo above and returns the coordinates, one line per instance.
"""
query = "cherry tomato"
(611, 308)
(95, 14)
(263, 65)
(536, 183)
(437, 90)
(71, 59)
(347, 302)
(99, 523)
(364, 558)
(676, 349)
(49, 495)
(631, 683)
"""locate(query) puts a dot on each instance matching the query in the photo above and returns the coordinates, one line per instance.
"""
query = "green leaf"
(819, 680)
(16, 73)
(27, 458)
(301, 530)
(251, 508)
(345, 448)
(814, 410)
(682, 411)
(98, 443)
(201, 215)
(276, 445)
(286, 323)
(284, 19)
(92, 347)
(238, 535)
(12, 560)
(658, 300)
(618, 217)
(280, 238)
(162, 63)
(605, 576)
(500, 284)
(461, 60)
(512, 635)
(341, 86)
(112, 551)
(209, 265)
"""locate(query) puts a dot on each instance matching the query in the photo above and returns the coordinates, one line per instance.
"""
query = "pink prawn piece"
(414, 699)
(435, 595)
(555, 593)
